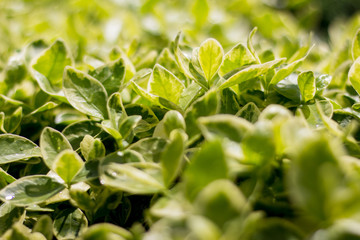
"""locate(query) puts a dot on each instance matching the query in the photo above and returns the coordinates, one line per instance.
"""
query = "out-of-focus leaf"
(355, 48)
(48, 68)
(44, 226)
(206, 166)
(172, 156)
(200, 11)
(105, 231)
(172, 120)
(9, 214)
(276, 228)
(354, 75)
(249, 112)
(311, 188)
(220, 201)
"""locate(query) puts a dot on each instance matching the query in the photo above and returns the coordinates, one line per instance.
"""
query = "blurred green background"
(90, 25)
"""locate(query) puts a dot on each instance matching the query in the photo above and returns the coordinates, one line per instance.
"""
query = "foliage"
(177, 135)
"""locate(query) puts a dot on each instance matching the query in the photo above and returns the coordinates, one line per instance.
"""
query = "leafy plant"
(180, 140)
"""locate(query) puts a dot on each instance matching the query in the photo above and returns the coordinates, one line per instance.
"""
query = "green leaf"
(34, 49)
(207, 105)
(354, 75)
(200, 11)
(313, 115)
(288, 87)
(172, 156)
(276, 228)
(8, 105)
(21, 232)
(149, 148)
(69, 224)
(92, 148)
(172, 120)
(224, 126)
(52, 142)
(229, 101)
(15, 148)
(249, 73)
(165, 84)
(67, 164)
(48, 68)
(196, 70)
(342, 229)
(136, 178)
(154, 99)
(287, 70)
(128, 125)
(45, 107)
(107, 127)
(44, 225)
(250, 46)
(111, 75)
(355, 48)
(81, 198)
(88, 172)
(167, 60)
(306, 82)
(9, 214)
(189, 95)
(116, 110)
(181, 60)
(314, 178)
(249, 112)
(105, 231)
(322, 82)
(207, 165)
(237, 57)
(259, 145)
(12, 122)
(5, 178)
(31, 190)
(85, 93)
(210, 57)
(148, 119)
(2, 120)
(77, 131)
(220, 201)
